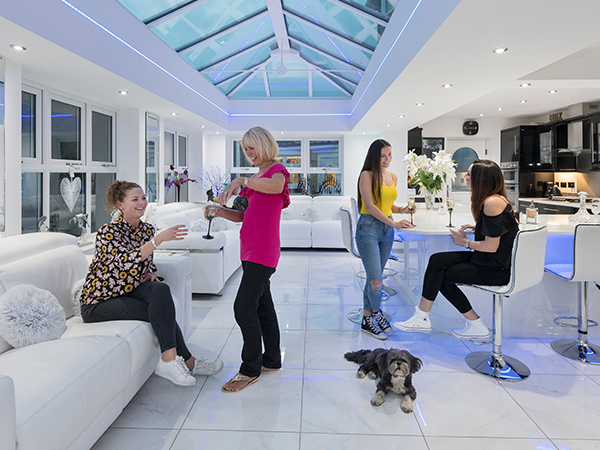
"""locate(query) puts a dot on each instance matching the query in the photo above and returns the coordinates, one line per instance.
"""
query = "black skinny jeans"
(255, 314)
(150, 302)
(447, 269)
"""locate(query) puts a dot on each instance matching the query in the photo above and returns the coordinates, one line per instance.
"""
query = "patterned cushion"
(311, 214)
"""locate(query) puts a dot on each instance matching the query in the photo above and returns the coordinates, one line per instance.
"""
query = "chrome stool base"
(356, 316)
(580, 351)
(500, 367)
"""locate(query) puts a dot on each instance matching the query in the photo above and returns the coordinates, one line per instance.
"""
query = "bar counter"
(529, 313)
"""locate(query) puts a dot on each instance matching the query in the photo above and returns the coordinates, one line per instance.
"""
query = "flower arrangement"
(212, 178)
(431, 174)
(177, 179)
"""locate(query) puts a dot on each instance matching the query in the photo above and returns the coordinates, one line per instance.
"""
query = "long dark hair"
(486, 180)
(373, 164)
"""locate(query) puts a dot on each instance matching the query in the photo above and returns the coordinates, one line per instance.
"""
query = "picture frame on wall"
(432, 144)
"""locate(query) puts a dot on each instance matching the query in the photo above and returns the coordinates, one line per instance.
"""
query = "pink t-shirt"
(259, 236)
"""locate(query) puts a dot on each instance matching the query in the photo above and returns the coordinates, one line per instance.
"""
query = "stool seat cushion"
(564, 271)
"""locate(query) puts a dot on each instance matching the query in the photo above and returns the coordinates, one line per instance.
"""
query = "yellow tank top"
(388, 195)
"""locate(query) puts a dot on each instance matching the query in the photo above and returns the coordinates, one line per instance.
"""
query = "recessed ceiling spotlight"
(17, 47)
(401, 116)
(525, 84)
(217, 132)
(523, 101)
(500, 109)
(203, 126)
(364, 132)
(446, 86)
(173, 113)
(481, 115)
(388, 125)
(420, 104)
(500, 50)
(553, 91)
(282, 132)
(123, 92)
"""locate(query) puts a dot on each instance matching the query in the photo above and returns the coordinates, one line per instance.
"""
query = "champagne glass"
(596, 208)
(450, 206)
(411, 208)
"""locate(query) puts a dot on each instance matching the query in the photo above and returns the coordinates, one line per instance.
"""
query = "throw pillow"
(29, 315)
(201, 226)
(287, 214)
(311, 214)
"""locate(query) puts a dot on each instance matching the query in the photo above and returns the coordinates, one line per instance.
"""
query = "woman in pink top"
(267, 193)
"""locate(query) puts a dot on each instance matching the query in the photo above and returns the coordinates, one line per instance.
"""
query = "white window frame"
(176, 163)
(39, 111)
(97, 165)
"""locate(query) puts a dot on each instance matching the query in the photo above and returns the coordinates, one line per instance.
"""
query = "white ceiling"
(552, 45)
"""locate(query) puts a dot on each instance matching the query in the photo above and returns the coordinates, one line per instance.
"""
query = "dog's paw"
(407, 404)
(379, 399)
(361, 374)
(372, 375)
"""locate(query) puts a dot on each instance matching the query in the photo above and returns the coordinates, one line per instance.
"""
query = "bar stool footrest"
(577, 350)
(565, 321)
(500, 367)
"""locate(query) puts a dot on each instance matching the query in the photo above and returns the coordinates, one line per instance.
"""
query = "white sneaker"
(419, 322)
(175, 371)
(206, 366)
(474, 329)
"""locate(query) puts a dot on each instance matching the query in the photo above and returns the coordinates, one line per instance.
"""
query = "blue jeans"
(374, 241)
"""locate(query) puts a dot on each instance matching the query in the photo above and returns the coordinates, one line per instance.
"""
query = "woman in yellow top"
(375, 231)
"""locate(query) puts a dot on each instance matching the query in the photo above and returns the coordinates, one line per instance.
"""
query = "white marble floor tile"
(271, 404)
(207, 343)
(285, 295)
(574, 444)
(328, 277)
(347, 296)
(336, 401)
(326, 349)
(460, 443)
(469, 405)
(289, 275)
(292, 349)
(135, 439)
(291, 316)
(311, 441)
(537, 355)
(159, 404)
(226, 440)
(438, 351)
(330, 317)
(213, 317)
(563, 406)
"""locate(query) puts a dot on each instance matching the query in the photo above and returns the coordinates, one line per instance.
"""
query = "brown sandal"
(240, 378)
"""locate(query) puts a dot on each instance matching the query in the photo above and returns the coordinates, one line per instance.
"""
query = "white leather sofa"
(313, 222)
(63, 394)
(214, 260)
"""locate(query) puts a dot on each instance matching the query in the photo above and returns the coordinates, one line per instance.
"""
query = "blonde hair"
(263, 142)
(117, 193)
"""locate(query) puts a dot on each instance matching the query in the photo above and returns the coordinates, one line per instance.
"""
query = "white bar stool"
(527, 269)
(583, 268)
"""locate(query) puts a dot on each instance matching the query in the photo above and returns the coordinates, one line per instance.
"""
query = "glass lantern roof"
(271, 48)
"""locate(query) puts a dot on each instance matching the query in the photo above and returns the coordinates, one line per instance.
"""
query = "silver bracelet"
(153, 243)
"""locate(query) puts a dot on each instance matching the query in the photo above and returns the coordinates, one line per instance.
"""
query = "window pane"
(169, 149)
(31, 201)
(324, 154)
(28, 130)
(67, 198)
(100, 184)
(182, 148)
(151, 158)
(289, 153)
(297, 184)
(325, 184)
(239, 158)
(66, 131)
(101, 137)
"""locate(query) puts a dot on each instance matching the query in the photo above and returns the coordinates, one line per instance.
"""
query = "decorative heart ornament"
(69, 190)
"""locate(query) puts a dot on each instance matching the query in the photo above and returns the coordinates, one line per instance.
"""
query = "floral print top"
(117, 267)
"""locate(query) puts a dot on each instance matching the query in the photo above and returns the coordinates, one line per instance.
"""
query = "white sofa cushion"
(165, 221)
(65, 382)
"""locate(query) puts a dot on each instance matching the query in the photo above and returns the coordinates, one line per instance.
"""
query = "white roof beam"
(235, 55)
(321, 52)
(278, 22)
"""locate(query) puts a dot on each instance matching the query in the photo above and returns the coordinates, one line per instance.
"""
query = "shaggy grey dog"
(394, 368)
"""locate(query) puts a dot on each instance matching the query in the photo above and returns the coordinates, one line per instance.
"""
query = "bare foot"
(238, 383)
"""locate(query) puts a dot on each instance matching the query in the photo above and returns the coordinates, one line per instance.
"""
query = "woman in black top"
(489, 264)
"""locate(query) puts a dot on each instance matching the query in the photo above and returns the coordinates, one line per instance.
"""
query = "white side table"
(175, 267)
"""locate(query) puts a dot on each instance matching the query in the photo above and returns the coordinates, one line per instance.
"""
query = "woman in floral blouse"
(120, 284)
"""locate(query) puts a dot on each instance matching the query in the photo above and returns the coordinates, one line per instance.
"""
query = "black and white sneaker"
(369, 326)
(383, 323)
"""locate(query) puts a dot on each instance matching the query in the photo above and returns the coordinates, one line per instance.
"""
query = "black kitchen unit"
(520, 145)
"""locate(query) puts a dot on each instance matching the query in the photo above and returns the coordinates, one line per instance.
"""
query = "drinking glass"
(411, 208)
(596, 208)
(450, 206)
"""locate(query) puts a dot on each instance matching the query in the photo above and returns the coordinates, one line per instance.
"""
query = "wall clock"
(470, 128)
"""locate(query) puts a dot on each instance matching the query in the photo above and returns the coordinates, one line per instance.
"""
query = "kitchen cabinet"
(520, 144)
(545, 208)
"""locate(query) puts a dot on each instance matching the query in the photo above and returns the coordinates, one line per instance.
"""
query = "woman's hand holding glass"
(403, 224)
(459, 237)
(212, 211)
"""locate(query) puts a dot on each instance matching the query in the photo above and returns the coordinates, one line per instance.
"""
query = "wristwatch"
(245, 182)
(467, 244)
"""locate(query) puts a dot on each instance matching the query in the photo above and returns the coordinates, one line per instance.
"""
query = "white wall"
(131, 140)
